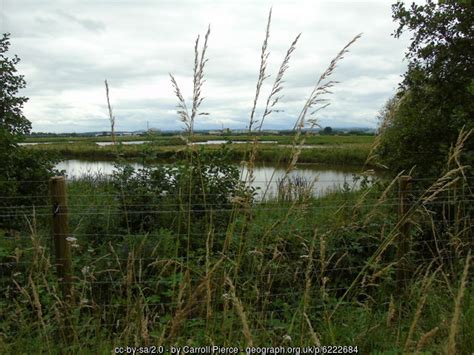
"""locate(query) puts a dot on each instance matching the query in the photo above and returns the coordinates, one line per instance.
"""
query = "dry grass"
(111, 115)
(241, 312)
(314, 104)
(425, 287)
(200, 61)
(453, 329)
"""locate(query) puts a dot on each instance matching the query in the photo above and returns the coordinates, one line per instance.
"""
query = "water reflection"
(233, 142)
(120, 142)
(33, 143)
(266, 176)
(78, 168)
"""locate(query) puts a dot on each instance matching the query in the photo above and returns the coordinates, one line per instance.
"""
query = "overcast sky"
(68, 47)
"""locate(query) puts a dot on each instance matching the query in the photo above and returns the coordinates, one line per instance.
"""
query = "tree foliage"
(12, 120)
(23, 174)
(435, 99)
(327, 130)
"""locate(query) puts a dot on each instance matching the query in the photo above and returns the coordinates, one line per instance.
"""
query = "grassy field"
(171, 140)
(342, 150)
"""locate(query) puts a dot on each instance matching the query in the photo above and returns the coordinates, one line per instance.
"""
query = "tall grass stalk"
(322, 87)
(273, 98)
(441, 185)
(111, 115)
(453, 329)
(188, 119)
(426, 285)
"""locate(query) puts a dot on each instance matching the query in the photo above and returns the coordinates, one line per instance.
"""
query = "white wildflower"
(73, 241)
(85, 270)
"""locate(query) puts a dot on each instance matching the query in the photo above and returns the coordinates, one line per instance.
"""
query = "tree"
(435, 99)
(23, 173)
(327, 130)
(12, 121)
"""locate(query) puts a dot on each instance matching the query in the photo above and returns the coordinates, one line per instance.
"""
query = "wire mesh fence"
(188, 258)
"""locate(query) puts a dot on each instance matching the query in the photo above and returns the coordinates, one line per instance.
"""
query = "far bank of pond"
(332, 154)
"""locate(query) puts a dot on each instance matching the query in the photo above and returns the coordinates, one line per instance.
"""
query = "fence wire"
(276, 269)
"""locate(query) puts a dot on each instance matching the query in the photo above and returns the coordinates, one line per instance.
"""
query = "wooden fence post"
(403, 245)
(57, 187)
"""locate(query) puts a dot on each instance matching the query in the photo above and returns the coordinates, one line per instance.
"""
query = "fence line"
(158, 212)
(165, 194)
(87, 178)
(114, 275)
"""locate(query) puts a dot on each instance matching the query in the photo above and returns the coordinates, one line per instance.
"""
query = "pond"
(233, 142)
(122, 142)
(210, 142)
(266, 176)
(33, 143)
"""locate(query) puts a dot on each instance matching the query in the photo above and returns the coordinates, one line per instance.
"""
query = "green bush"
(193, 194)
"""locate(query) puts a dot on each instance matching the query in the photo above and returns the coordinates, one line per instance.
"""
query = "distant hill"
(345, 130)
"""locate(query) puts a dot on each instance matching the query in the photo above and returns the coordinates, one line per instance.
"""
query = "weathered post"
(403, 246)
(57, 187)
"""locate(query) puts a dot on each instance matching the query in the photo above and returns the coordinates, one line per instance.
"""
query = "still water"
(266, 176)
(233, 142)
(101, 144)
(195, 143)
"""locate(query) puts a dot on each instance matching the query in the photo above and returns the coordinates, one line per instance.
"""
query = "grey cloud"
(88, 24)
(67, 54)
(45, 21)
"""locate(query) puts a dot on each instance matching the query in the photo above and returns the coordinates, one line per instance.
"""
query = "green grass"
(168, 140)
(332, 151)
(129, 293)
(82, 139)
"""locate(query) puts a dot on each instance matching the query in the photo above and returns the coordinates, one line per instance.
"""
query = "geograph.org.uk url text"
(329, 349)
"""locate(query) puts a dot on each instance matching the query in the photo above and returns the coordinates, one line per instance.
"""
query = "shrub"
(181, 195)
